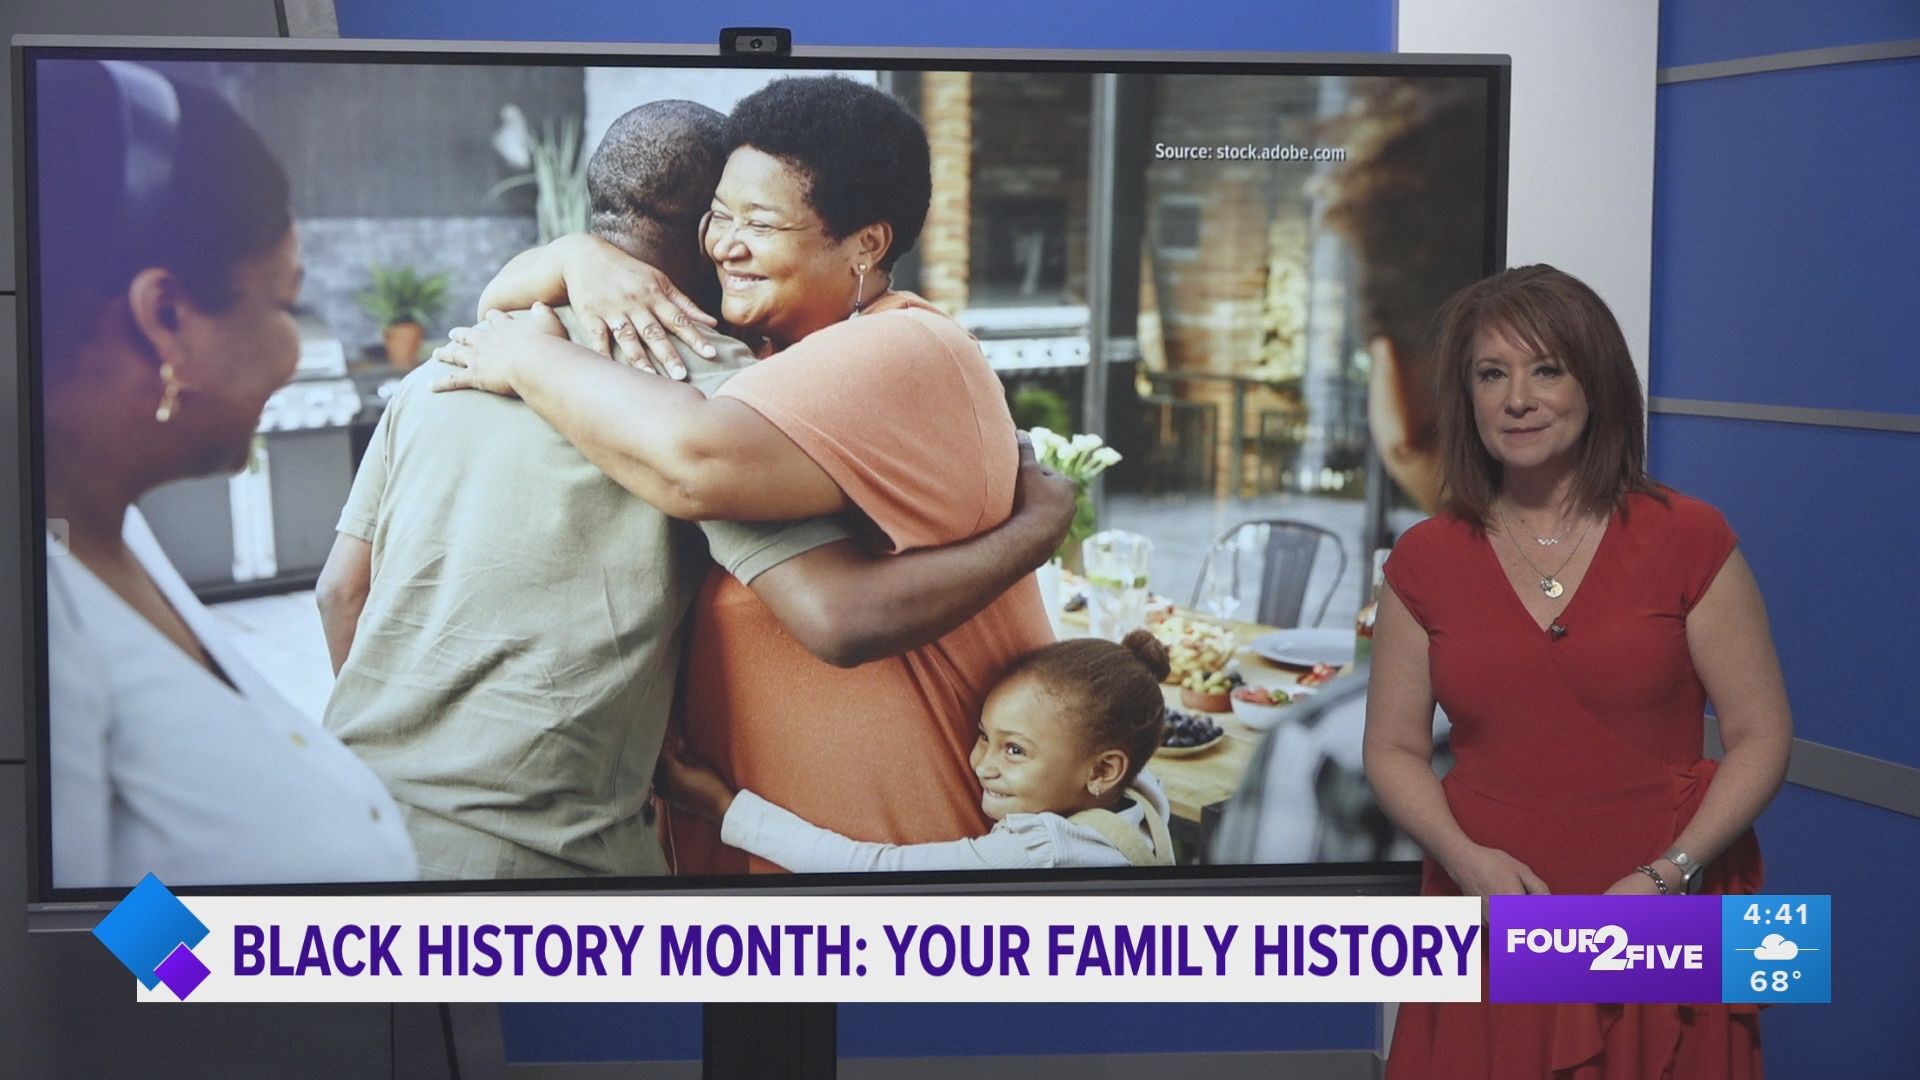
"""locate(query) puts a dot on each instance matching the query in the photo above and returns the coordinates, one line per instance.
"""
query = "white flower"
(510, 141)
(1079, 457)
(1046, 445)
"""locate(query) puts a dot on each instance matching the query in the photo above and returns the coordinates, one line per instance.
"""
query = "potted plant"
(402, 302)
(1039, 407)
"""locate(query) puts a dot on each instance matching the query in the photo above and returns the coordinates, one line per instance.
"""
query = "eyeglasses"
(725, 228)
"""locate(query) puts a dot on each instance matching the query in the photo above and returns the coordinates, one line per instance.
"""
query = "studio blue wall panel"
(1166, 1026)
(1786, 252)
(583, 1033)
(1359, 26)
(1827, 518)
(1860, 855)
(1786, 268)
(1700, 31)
(600, 1032)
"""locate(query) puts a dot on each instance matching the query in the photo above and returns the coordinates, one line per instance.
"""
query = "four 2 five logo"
(1604, 948)
(153, 934)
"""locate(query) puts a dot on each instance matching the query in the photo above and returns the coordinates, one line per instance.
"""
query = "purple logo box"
(1603, 949)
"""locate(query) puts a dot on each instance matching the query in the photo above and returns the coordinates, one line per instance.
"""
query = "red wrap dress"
(1580, 755)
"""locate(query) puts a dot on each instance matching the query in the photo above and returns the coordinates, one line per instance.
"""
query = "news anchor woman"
(169, 271)
(1573, 618)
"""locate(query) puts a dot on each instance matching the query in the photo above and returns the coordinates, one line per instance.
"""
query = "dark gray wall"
(67, 1008)
(12, 723)
(394, 140)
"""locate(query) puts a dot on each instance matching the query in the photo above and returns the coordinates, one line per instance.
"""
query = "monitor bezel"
(51, 908)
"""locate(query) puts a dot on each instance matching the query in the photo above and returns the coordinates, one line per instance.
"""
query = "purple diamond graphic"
(182, 972)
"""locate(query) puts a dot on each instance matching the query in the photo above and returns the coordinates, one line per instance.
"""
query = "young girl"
(1062, 741)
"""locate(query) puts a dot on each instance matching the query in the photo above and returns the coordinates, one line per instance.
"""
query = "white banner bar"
(835, 949)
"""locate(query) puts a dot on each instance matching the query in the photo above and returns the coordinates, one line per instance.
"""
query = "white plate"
(1306, 646)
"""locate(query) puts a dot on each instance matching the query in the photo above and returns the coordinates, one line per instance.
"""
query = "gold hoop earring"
(169, 396)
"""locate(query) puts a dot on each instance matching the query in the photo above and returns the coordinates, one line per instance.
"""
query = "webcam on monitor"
(755, 42)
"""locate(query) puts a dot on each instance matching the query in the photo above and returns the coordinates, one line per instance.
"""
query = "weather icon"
(1776, 947)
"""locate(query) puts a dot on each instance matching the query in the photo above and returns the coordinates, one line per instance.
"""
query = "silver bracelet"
(1657, 879)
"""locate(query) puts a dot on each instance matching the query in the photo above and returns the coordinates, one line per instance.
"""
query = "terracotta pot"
(403, 344)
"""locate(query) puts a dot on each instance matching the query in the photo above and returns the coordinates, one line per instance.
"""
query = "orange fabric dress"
(1581, 757)
(903, 412)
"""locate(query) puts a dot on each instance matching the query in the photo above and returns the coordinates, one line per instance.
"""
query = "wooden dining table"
(1198, 785)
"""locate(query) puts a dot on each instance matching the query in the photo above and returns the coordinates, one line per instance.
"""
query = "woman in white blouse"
(169, 274)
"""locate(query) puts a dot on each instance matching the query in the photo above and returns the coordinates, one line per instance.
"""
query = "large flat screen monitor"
(304, 617)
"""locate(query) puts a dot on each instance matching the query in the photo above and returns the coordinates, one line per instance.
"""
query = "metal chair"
(1286, 565)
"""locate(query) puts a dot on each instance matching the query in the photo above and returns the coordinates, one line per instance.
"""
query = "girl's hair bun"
(1149, 651)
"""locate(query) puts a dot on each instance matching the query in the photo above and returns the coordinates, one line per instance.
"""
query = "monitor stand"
(770, 1042)
(740, 1042)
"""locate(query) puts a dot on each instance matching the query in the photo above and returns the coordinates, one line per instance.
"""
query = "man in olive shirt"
(506, 620)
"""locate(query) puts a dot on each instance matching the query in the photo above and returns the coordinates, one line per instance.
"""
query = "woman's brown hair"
(1552, 314)
(1113, 690)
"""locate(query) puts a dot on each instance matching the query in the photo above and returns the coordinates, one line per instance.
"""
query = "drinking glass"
(1116, 564)
(1220, 581)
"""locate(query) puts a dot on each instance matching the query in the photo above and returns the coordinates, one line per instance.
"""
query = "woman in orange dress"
(1574, 619)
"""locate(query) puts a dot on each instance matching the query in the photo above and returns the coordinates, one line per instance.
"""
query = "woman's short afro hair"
(862, 155)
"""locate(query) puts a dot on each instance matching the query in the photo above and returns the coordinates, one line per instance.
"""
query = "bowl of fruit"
(1209, 691)
(1262, 707)
(1187, 734)
(1198, 654)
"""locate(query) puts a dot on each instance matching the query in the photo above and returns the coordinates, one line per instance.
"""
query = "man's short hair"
(658, 164)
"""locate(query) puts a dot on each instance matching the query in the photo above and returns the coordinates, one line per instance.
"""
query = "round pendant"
(1552, 588)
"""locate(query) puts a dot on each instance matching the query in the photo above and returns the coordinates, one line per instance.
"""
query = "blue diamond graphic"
(144, 929)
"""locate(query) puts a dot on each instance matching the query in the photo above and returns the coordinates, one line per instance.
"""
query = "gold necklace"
(1549, 583)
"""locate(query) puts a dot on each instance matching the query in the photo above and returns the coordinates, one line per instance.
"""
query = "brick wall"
(1212, 300)
(1215, 313)
(1030, 142)
(946, 108)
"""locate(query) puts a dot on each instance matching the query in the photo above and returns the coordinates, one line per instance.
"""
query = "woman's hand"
(624, 301)
(1050, 497)
(487, 351)
(539, 317)
(1485, 871)
(691, 784)
(1637, 884)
